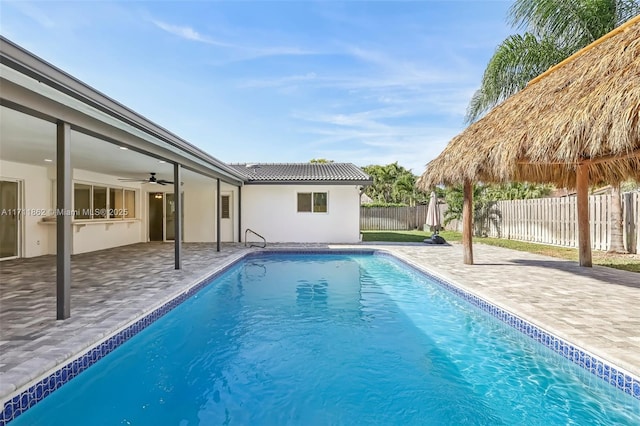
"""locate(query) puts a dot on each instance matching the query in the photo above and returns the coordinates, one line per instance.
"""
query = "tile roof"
(345, 173)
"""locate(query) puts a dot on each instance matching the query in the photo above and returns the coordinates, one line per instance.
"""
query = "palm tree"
(554, 29)
(616, 220)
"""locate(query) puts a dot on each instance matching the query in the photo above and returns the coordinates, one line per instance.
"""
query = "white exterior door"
(226, 217)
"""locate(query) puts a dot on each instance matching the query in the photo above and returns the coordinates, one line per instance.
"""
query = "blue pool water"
(331, 339)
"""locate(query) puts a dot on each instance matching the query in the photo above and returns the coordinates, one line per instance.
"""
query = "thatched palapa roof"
(584, 110)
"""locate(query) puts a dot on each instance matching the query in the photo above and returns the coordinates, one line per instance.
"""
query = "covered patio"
(82, 172)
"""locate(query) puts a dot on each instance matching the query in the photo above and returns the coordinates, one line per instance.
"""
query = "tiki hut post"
(584, 236)
(467, 222)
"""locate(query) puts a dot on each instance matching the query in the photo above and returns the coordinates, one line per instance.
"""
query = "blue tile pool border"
(21, 402)
(611, 374)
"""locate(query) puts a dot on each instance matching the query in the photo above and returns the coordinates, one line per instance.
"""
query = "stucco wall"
(271, 210)
(199, 213)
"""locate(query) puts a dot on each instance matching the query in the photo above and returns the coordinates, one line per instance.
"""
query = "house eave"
(24, 62)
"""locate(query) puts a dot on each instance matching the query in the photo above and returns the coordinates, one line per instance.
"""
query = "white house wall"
(99, 236)
(271, 211)
(199, 213)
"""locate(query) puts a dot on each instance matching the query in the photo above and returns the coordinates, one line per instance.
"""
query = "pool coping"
(36, 390)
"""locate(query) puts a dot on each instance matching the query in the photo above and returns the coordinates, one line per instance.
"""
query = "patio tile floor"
(595, 308)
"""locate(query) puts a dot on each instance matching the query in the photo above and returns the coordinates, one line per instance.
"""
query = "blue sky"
(367, 82)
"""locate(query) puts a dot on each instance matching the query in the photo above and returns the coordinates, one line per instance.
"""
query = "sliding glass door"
(162, 215)
(170, 217)
(9, 219)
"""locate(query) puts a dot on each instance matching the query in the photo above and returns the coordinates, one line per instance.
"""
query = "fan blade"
(164, 182)
(133, 180)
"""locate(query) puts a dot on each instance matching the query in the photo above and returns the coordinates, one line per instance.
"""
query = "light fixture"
(158, 196)
(161, 161)
(48, 160)
(124, 148)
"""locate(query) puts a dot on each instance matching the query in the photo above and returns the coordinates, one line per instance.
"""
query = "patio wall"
(38, 236)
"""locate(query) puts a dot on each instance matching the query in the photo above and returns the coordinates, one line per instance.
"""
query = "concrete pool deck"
(593, 308)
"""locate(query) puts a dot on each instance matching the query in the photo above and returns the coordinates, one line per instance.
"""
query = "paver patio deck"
(594, 308)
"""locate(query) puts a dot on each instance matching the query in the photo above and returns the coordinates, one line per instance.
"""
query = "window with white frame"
(103, 202)
(312, 202)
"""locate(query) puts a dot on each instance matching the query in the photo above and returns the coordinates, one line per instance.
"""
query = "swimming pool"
(327, 339)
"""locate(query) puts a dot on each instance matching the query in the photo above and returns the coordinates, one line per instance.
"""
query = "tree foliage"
(553, 30)
(393, 184)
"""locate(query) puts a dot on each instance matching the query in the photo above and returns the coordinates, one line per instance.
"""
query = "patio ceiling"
(30, 140)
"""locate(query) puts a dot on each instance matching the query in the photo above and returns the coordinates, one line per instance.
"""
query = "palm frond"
(516, 61)
(573, 23)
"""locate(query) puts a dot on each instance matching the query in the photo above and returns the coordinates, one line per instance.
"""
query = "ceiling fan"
(152, 179)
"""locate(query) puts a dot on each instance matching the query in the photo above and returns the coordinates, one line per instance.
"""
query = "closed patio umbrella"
(433, 214)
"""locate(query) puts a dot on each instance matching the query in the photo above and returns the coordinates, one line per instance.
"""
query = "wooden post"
(467, 223)
(584, 235)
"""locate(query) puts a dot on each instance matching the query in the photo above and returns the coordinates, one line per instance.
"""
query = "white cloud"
(239, 51)
(188, 33)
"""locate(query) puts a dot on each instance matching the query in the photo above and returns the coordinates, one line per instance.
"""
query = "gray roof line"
(302, 173)
(20, 59)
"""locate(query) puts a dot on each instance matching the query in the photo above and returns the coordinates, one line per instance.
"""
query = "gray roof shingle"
(337, 173)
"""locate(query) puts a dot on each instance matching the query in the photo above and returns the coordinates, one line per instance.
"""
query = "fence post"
(629, 224)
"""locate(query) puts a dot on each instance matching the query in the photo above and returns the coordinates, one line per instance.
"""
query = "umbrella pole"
(467, 222)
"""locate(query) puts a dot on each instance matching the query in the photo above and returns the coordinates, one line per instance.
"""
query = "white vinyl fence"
(553, 221)
(392, 218)
(546, 220)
